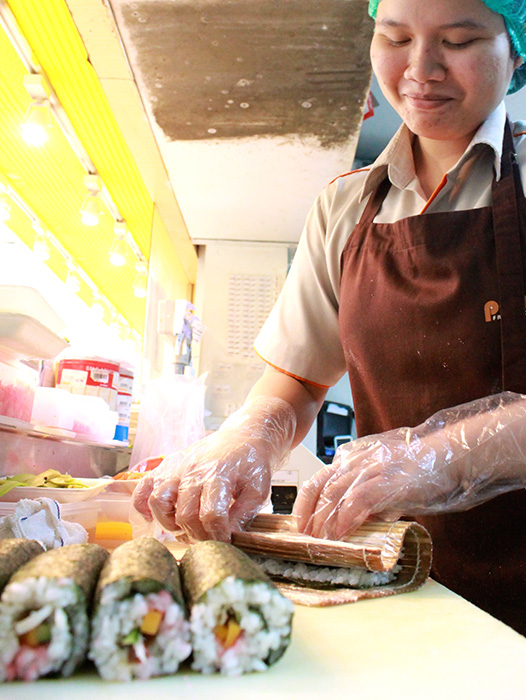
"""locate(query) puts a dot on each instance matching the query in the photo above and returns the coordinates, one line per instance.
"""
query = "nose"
(424, 63)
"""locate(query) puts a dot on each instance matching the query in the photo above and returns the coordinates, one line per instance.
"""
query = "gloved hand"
(217, 485)
(457, 459)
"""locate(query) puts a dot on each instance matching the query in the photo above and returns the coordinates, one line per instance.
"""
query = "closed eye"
(392, 42)
(459, 45)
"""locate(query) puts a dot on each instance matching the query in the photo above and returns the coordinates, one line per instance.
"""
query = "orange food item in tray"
(140, 469)
(126, 476)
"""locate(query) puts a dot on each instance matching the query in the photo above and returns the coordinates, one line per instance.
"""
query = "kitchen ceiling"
(239, 69)
(254, 105)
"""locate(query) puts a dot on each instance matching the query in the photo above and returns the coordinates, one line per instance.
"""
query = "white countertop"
(428, 644)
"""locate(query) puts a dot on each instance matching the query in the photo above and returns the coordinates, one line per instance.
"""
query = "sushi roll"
(13, 553)
(44, 612)
(325, 577)
(239, 620)
(139, 627)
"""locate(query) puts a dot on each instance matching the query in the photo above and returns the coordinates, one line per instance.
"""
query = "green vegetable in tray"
(51, 478)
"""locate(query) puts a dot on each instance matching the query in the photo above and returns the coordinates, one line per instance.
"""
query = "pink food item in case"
(17, 390)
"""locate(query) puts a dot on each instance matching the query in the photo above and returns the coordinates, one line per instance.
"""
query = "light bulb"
(72, 282)
(91, 210)
(140, 284)
(118, 251)
(114, 325)
(36, 124)
(5, 210)
(97, 309)
(41, 247)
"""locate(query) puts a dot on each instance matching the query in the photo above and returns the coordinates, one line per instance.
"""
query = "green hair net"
(514, 14)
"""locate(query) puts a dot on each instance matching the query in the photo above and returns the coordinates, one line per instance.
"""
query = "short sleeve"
(301, 335)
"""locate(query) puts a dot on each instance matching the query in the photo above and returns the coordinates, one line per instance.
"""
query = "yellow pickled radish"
(37, 636)
(233, 632)
(29, 639)
(227, 634)
(151, 622)
(220, 633)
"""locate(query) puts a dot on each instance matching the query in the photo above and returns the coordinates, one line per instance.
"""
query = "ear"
(518, 62)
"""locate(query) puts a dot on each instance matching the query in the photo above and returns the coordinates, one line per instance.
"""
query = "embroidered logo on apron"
(492, 311)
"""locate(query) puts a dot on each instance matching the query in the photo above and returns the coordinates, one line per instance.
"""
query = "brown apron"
(431, 316)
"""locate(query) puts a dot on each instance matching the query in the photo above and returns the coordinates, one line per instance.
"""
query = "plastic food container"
(84, 513)
(84, 415)
(17, 389)
(93, 418)
(29, 450)
(25, 337)
(113, 524)
(27, 301)
(53, 407)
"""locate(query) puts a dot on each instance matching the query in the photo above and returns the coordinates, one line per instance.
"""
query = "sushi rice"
(116, 618)
(263, 614)
(46, 598)
(44, 612)
(140, 628)
(300, 572)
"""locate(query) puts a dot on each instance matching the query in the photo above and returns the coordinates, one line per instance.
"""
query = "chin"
(437, 131)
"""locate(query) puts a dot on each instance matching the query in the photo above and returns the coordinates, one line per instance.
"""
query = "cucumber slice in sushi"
(13, 554)
(239, 620)
(139, 628)
(44, 612)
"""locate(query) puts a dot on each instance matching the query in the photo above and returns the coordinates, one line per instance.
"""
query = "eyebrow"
(461, 24)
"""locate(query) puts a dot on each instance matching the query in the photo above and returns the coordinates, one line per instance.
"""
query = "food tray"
(94, 487)
(25, 337)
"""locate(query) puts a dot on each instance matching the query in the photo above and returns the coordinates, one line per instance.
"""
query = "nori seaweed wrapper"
(205, 564)
(81, 565)
(14, 553)
(79, 562)
(143, 565)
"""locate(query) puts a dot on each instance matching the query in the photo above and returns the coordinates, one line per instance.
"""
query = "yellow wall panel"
(50, 31)
(50, 178)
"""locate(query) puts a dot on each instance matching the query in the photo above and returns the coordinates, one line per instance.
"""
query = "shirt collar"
(397, 158)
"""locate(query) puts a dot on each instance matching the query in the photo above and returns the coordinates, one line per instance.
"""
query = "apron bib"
(432, 315)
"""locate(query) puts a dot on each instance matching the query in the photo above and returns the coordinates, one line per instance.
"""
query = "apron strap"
(509, 259)
(375, 202)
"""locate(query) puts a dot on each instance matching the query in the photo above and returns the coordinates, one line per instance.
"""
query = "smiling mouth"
(428, 101)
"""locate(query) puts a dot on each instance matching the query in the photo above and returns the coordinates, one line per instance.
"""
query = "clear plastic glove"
(217, 485)
(457, 459)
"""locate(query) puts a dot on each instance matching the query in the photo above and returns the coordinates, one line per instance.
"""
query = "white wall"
(237, 285)
(224, 267)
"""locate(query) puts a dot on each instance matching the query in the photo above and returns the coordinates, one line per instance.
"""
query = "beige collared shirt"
(301, 335)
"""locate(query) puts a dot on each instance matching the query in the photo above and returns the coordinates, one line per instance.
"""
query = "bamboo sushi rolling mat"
(376, 546)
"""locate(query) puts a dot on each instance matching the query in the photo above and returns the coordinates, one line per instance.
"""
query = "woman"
(409, 276)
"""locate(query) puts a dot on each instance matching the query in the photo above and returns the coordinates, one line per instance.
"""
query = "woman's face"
(443, 65)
